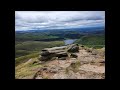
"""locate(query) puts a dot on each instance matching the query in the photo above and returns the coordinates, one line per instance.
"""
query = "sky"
(40, 20)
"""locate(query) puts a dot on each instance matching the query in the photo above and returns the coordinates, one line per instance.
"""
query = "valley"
(28, 44)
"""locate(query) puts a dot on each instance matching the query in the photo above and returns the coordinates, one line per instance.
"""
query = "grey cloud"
(53, 19)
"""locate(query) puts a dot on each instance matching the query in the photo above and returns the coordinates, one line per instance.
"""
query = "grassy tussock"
(27, 70)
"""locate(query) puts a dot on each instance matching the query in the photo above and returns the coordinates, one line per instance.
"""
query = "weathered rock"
(55, 48)
(73, 48)
(102, 61)
(45, 53)
(94, 52)
(60, 52)
(72, 65)
(57, 51)
(82, 46)
(54, 58)
(89, 50)
(62, 58)
(73, 55)
(63, 54)
(48, 51)
(45, 58)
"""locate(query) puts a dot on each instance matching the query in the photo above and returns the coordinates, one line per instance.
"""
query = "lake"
(69, 41)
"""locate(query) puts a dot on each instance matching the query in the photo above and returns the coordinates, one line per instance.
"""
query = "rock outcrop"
(73, 48)
(60, 52)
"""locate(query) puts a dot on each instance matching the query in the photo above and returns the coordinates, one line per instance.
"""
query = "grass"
(29, 47)
(26, 70)
(95, 46)
(22, 59)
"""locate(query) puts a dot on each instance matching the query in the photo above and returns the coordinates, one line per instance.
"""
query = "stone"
(73, 48)
(62, 58)
(44, 53)
(82, 46)
(73, 55)
(45, 58)
(59, 52)
(63, 54)
(89, 50)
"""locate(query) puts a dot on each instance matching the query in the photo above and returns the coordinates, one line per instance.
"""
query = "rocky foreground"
(86, 63)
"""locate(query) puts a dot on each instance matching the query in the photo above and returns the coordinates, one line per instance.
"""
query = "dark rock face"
(44, 53)
(73, 55)
(62, 58)
(45, 58)
(73, 48)
(64, 54)
(82, 46)
(52, 55)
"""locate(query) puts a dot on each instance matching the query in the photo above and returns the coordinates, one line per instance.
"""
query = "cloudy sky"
(39, 20)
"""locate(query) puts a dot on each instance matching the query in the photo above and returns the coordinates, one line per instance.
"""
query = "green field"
(29, 47)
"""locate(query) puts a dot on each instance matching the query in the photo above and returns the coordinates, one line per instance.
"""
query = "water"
(69, 41)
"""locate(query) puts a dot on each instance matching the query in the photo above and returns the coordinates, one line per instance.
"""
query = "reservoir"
(69, 41)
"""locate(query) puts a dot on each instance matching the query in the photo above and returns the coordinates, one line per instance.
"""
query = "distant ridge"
(70, 29)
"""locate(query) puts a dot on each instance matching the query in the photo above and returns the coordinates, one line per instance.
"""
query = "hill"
(90, 64)
(95, 41)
